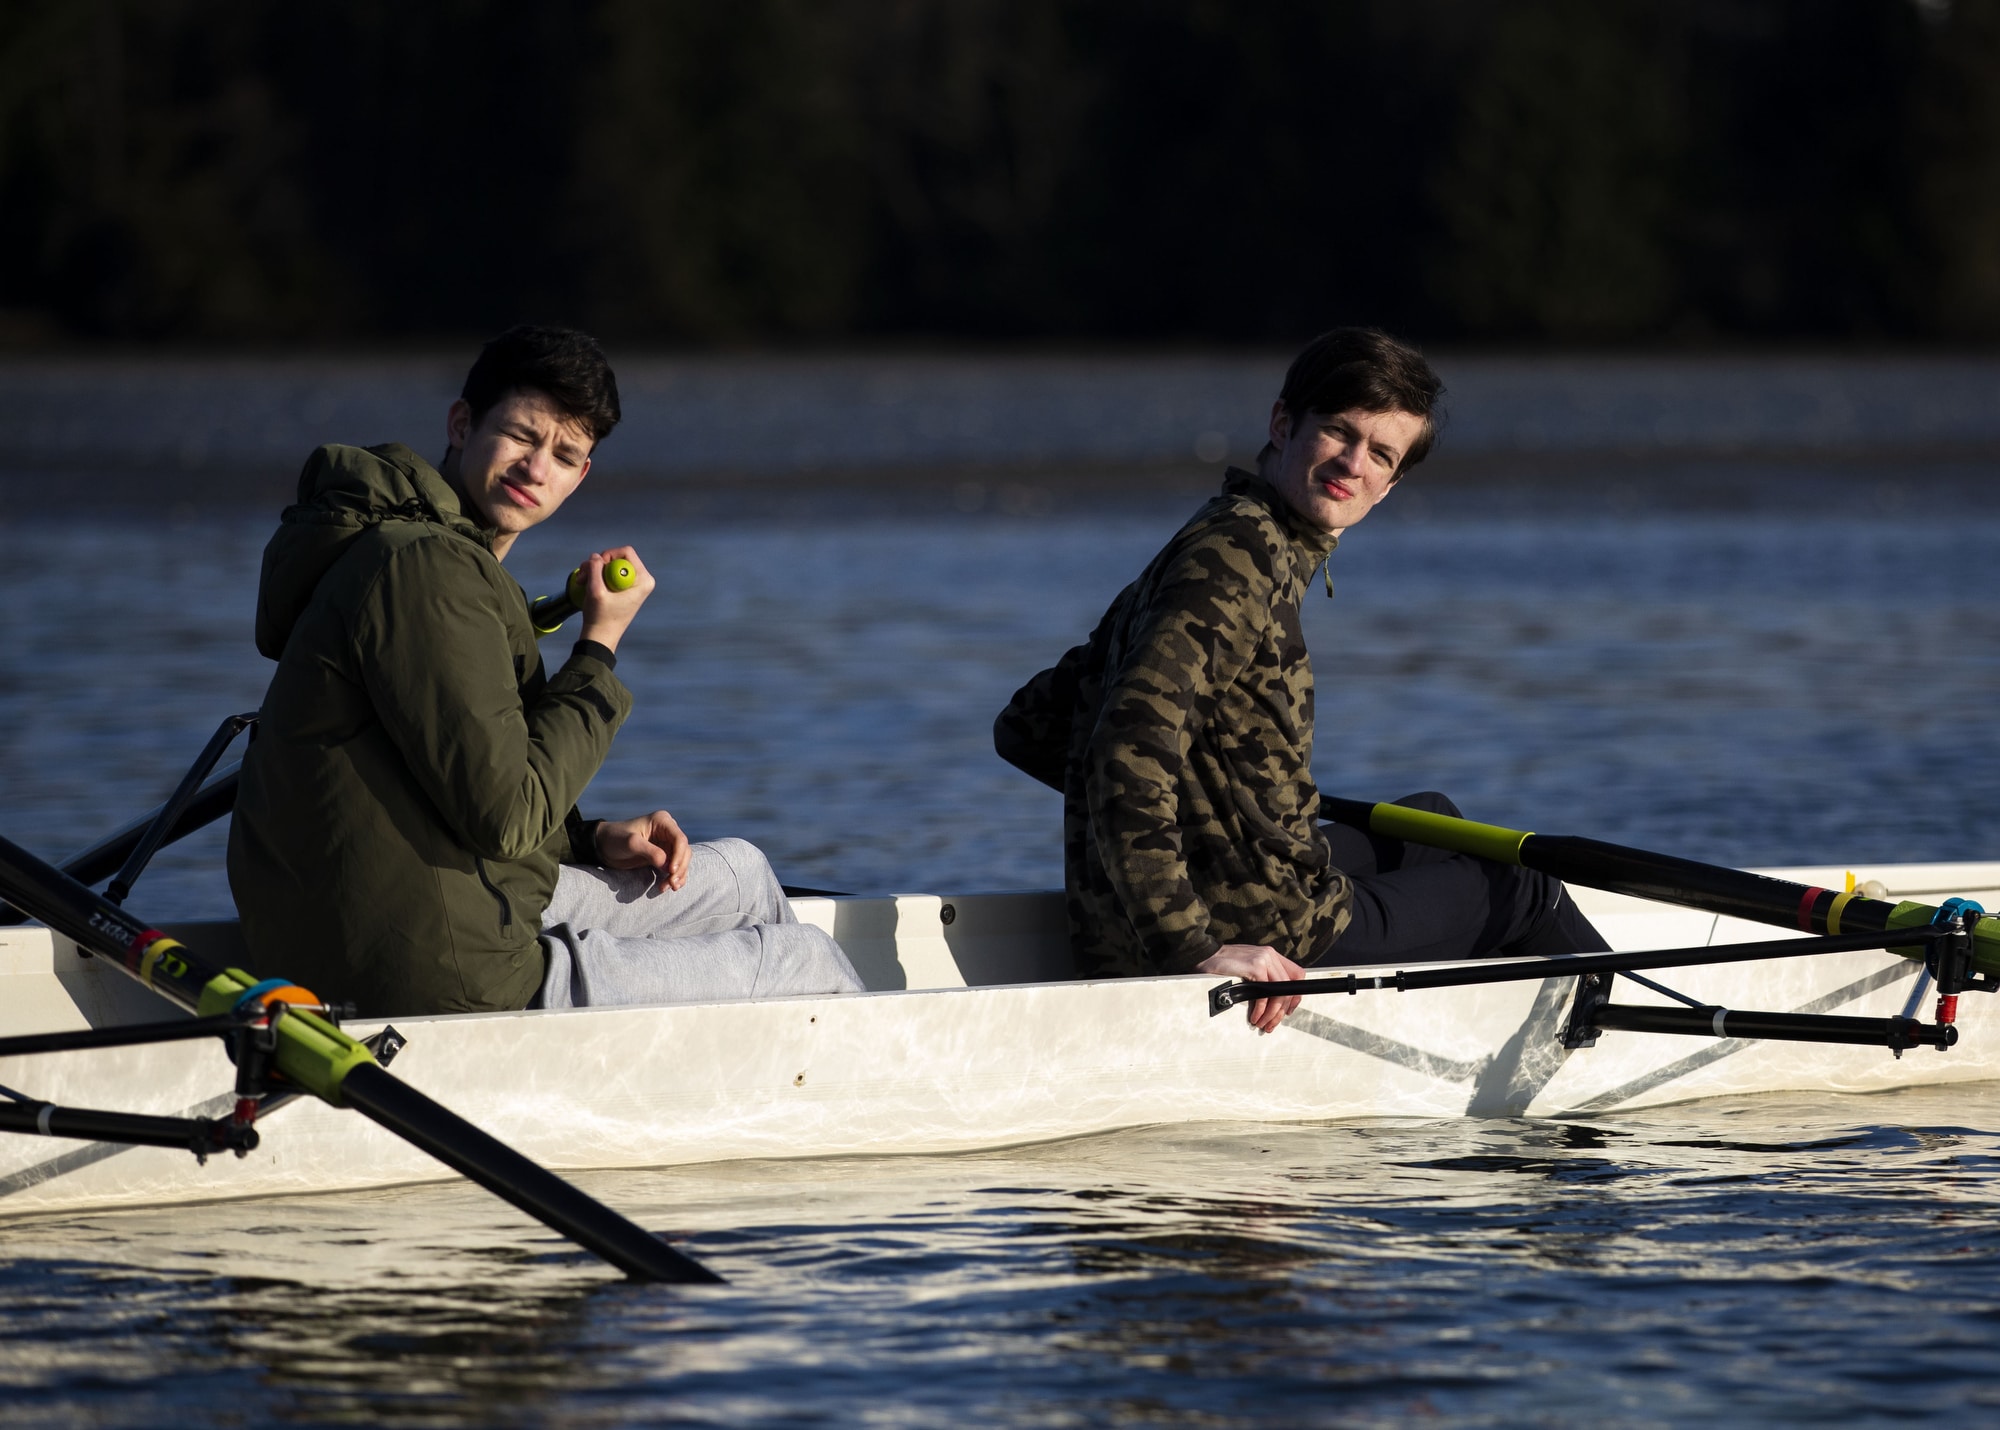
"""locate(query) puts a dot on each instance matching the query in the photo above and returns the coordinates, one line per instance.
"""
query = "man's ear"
(458, 423)
(1281, 424)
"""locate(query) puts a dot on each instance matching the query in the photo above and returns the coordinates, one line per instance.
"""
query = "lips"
(521, 495)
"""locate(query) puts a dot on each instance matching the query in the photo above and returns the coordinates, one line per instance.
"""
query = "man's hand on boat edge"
(1257, 963)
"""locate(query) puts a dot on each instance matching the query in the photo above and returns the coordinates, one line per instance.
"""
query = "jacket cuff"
(582, 840)
(597, 650)
(1185, 956)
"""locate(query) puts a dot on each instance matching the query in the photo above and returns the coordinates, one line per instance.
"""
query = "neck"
(498, 542)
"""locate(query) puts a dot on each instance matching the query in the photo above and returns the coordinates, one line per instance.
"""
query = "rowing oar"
(1661, 877)
(549, 612)
(315, 1055)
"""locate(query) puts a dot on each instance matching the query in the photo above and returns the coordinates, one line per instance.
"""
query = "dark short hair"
(566, 366)
(1366, 370)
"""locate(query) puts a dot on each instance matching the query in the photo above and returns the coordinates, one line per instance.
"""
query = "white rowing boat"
(971, 1036)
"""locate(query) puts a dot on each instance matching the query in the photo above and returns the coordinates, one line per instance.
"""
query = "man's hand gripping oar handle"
(315, 1055)
(549, 612)
(1660, 877)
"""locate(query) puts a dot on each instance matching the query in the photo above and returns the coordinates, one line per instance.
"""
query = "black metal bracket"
(203, 1136)
(169, 813)
(1593, 991)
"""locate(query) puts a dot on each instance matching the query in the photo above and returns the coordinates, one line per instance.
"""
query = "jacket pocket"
(506, 907)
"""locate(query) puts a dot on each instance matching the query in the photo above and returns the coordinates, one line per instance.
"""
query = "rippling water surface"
(1773, 1258)
(1755, 666)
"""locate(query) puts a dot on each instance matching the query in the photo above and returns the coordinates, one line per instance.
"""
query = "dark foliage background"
(801, 170)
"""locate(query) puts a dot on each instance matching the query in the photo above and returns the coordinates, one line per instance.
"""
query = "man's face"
(1333, 467)
(519, 462)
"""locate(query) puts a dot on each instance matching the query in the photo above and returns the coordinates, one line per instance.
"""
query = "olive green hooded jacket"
(411, 785)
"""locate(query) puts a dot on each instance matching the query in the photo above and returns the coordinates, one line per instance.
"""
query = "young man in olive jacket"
(406, 834)
(1181, 732)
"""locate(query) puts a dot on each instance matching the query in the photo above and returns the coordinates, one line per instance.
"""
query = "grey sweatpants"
(727, 934)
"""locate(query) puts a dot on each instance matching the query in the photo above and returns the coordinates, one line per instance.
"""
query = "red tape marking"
(139, 946)
(1806, 907)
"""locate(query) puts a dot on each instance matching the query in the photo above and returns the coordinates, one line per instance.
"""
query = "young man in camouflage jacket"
(1181, 732)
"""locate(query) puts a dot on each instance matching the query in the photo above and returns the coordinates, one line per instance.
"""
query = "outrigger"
(974, 1034)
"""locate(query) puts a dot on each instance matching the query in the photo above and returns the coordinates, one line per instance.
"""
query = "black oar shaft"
(497, 1167)
(1735, 893)
(95, 923)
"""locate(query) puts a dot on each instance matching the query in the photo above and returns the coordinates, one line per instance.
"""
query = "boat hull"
(940, 1069)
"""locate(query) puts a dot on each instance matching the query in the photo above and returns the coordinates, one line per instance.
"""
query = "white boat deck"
(972, 1035)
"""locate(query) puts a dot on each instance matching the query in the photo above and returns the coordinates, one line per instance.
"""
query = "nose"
(535, 465)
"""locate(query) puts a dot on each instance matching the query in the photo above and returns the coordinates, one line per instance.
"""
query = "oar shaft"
(99, 926)
(1619, 869)
(458, 1144)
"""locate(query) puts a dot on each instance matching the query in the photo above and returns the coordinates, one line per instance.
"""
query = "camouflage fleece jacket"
(1180, 735)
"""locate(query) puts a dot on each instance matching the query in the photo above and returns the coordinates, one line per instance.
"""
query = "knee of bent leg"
(744, 859)
(1431, 802)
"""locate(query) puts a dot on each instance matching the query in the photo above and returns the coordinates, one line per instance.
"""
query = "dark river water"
(1757, 663)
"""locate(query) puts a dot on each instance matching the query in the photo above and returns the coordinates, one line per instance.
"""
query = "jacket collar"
(448, 508)
(1309, 545)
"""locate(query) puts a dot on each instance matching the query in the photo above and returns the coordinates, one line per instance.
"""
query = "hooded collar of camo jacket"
(1309, 545)
(343, 492)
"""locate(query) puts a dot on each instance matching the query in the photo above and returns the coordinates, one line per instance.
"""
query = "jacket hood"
(343, 493)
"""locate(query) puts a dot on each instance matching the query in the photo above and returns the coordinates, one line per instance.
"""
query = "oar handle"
(549, 612)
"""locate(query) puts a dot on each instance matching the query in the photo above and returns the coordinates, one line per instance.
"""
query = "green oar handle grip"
(1420, 826)
(550, 612)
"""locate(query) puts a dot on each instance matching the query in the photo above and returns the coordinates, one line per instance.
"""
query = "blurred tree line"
(788, 170)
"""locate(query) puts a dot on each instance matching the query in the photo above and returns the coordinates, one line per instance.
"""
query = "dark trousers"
(1415, 903)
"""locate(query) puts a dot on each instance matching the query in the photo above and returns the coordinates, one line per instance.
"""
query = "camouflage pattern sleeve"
(1033, 733)
(1036, 732)
(1201, 625)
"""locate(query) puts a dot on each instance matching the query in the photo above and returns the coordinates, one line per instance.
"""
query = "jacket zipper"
(506, 909)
